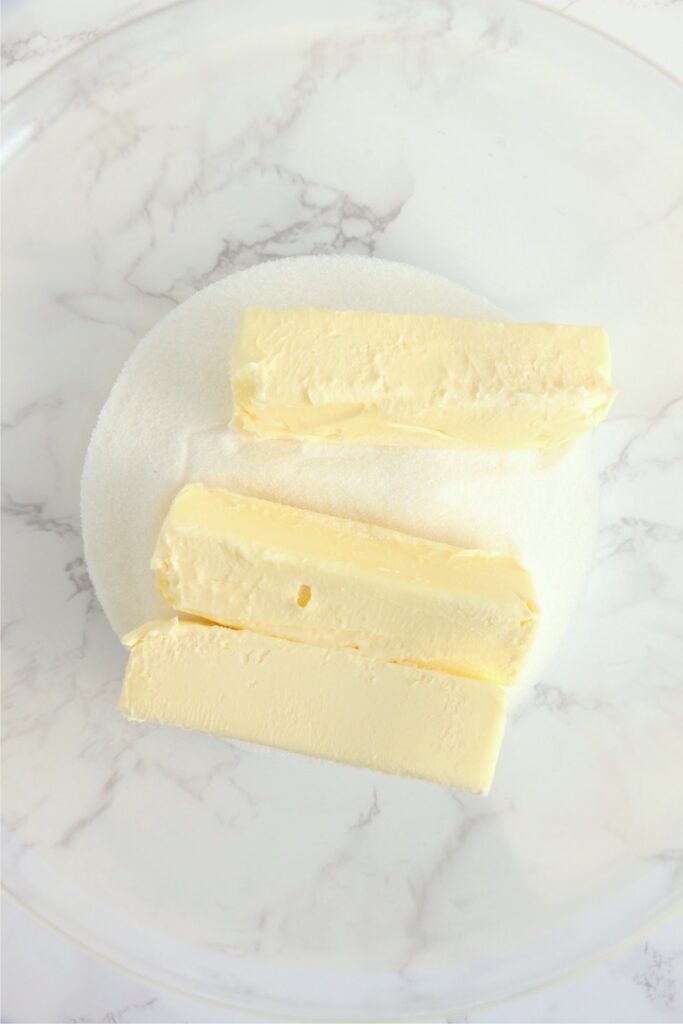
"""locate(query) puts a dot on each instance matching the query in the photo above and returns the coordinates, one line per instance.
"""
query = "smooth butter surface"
(337, 705)
(391, 378)
(289, 572)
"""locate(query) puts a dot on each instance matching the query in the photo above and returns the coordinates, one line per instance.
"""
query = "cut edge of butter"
(284, 571)
(333, 704)
(420, 380)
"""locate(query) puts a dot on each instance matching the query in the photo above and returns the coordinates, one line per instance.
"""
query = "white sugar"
(165, 423)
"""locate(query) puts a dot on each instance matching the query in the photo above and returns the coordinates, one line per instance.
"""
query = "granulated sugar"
(165, 423)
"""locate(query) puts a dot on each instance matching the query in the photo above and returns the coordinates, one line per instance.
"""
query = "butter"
(293, 573)
(332, 704)
(388, 378)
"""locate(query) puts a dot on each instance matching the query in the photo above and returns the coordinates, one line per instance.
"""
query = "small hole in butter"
(303, 596)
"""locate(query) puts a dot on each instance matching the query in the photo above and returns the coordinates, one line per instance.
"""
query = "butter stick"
(331, 704)
(388, 378)
(293, 573)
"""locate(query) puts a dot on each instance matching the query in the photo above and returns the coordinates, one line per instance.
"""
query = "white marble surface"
(643, 984)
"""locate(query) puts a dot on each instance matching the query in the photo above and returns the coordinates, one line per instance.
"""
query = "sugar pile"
(164, 424)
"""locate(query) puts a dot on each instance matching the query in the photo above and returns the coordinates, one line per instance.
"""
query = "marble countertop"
(645, 981)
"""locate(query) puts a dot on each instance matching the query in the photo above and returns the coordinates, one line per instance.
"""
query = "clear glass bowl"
(530, 160)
